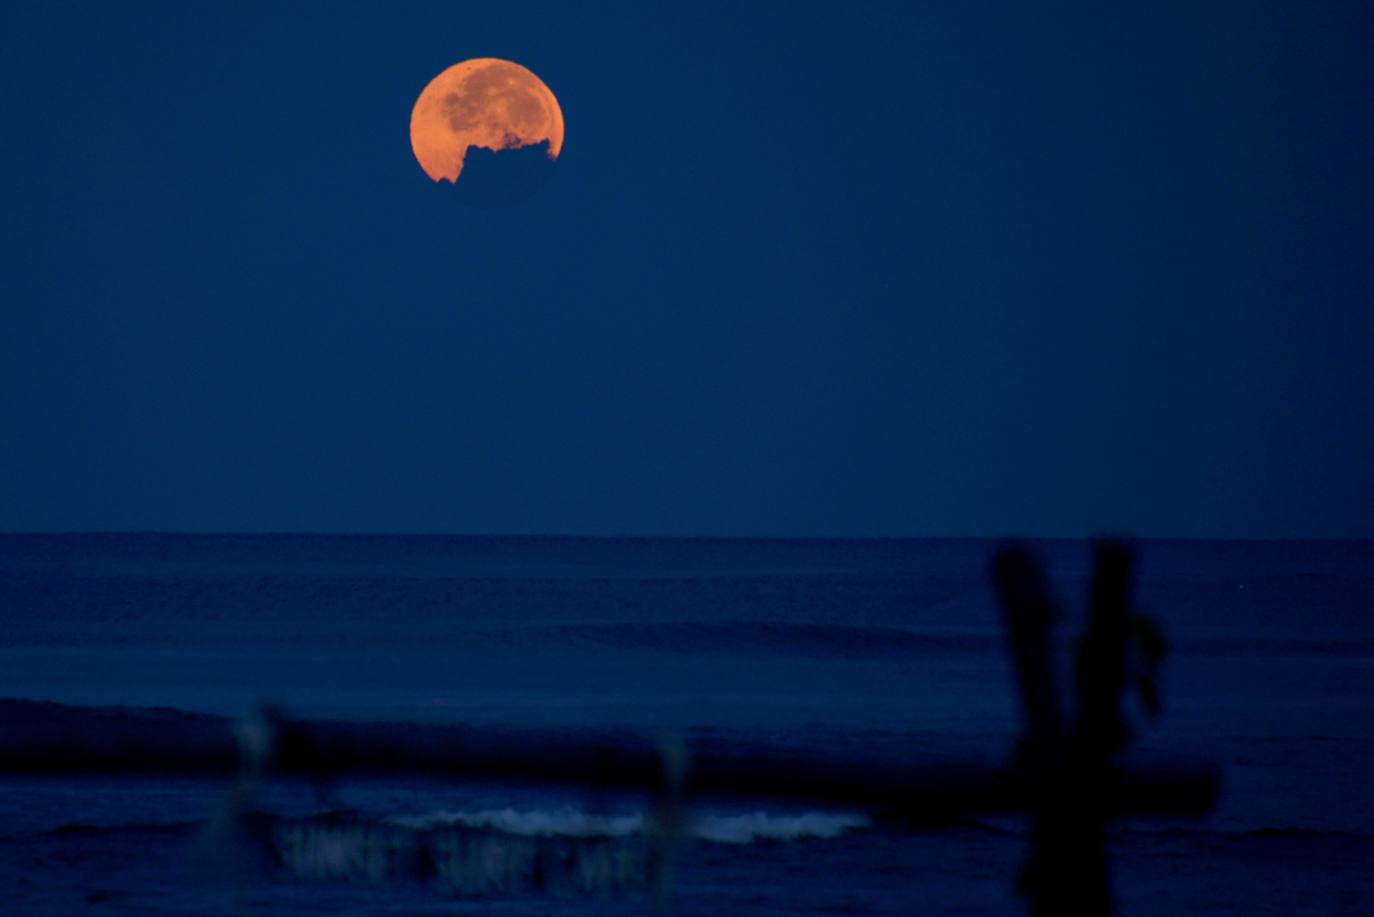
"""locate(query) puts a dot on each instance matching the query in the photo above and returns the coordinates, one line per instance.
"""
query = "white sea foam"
(565, 821)
(570, 822)
(756, 826)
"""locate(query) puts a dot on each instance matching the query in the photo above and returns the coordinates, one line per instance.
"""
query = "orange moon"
(483, 102)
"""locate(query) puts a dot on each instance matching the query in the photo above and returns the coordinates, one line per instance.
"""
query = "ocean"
(885, 650)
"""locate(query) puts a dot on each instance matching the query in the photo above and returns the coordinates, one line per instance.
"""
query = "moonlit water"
(875, 648)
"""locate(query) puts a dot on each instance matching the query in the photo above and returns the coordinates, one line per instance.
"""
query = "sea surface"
(875, 649)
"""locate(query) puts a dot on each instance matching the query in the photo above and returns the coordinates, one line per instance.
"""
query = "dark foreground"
(887, 650)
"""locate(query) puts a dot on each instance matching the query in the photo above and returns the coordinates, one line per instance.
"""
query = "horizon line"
(640, 536)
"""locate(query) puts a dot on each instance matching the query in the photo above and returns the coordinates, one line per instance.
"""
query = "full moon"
(484, 102)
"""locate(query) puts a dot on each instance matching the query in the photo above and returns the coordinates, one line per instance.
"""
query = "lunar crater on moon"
(487, 103)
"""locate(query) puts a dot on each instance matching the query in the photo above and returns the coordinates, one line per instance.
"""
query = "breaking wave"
(758, 826)
(567, 821)
(497, 851)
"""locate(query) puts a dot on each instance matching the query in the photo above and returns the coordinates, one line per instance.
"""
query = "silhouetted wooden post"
(1029, 613)
(1072, 776)
(1101, 731)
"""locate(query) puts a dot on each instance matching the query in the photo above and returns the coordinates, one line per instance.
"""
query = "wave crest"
(739, 829)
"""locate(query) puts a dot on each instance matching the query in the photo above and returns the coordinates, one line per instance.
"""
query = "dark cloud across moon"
(483, 103)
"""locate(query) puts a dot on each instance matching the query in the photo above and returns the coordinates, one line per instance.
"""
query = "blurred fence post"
(1071, 772)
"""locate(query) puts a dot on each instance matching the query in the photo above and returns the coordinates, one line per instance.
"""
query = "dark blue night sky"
(854, 269)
